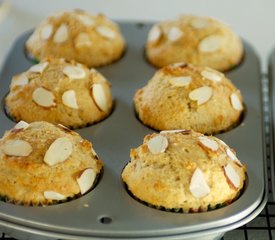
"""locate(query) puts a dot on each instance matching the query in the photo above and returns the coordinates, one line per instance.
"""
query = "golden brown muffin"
(184, 171)
(77, 35)
(199, 40)
(42, 164)
(183, 96)
(59, 92)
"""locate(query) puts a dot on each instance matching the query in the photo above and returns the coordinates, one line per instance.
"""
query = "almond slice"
(94, 153)
(74, 72)
(154, 34)
(176, 131)
(199, 23)
(43, 97)
(69, 99)
(198, 186)
(46, 31)
(201, 95)
(83, 39)
(211, 76)
(85, 19)
(61, 34)
(232, 156)
(59, 151)
(210, 44)
(180, 81)
(86, 180)
(51, 195)
(174, 34)
(157, 144)
(235, 102)
(209, 143)
(102, 96)
(19, 80)
(21, 125)
(178, 65)
(232, 175)
(106, 32)
(38, 68)
(17, 148)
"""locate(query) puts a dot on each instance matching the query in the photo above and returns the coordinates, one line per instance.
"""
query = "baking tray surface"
(111, 212)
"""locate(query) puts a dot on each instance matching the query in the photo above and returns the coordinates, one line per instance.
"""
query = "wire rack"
(263, 226)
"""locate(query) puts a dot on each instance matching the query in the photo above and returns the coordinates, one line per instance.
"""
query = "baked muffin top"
(184, 96)
(193, 39)
(59, 92)
(93, 40)
(41, 164)
(184, 171)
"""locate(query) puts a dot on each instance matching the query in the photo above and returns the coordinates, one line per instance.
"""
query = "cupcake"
(198, 40)
(42, 164)
(57, 91)
(77, 35)
(184, 171)
(184, 96)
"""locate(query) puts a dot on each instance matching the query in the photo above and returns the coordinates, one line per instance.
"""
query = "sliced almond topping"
(51, 195)
(157, 144)
(236, 103)
(222, 142)
(102, 96)
(17, 148)
(21, 125)
(43, 97)
(59, 151)
(86, 180)
(232, 156)
(61, 34)
(199, 23)
(209, 143)
(94, 153)
(174, 34)
(178, 65)
(64, 128)
(201, 95)
(83, 39)
(38, 68)
(19, 80)
(154, 34)
(210, 75)
(106, 32)
(210, 44)
(176, 131)
(232, 175)
(198, 186)
(85, 19)
(46, 31)
(69, 99)
(180, 81)
(74, 72)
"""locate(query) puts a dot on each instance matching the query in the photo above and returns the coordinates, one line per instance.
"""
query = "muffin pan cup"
(109, 211)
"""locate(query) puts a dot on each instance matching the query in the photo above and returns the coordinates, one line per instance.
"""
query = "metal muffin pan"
(108, 212)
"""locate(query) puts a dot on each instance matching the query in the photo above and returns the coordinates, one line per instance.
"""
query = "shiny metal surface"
(114, 137)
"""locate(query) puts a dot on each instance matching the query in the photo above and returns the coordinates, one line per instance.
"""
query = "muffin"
(184, 171)
(57, 91)
(42, 164)
(198, 40)
(184, 96)
(77, 35)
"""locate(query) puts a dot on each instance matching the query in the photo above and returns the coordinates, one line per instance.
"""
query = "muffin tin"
(108, 211)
